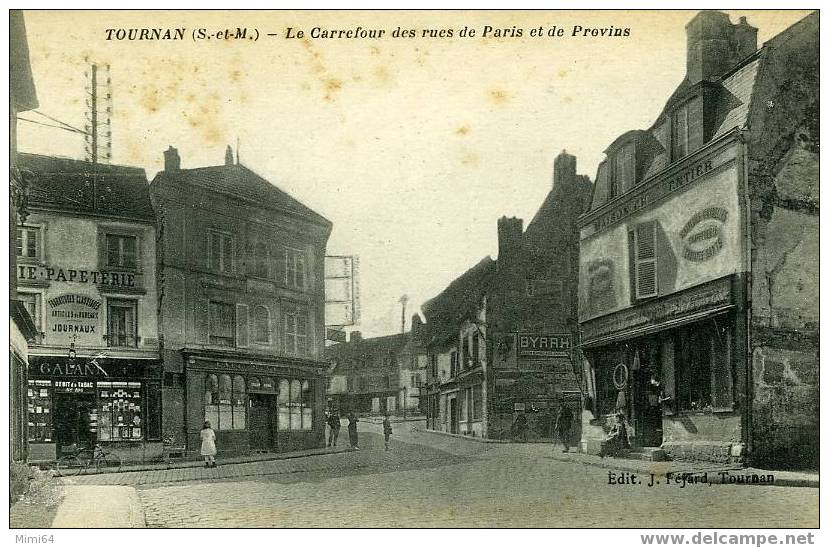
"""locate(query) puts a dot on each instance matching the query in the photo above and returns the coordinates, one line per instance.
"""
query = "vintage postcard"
(415, 269)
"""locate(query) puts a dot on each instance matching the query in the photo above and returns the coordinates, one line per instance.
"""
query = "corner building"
(698, 259)
(242, 309)
(86, 273)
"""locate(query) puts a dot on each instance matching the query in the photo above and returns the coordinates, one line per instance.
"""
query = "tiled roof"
(458, 302)
(76, 186)
(374, 346)
(238, 181)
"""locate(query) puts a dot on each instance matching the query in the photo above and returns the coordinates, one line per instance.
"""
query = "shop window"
(703, 369)
(261, 325)
(29, 243)
(222, 324)
(121, 417)
(225, 401)
(642, 241)
(40, 411)
(295, 405)
(294, 268)
(261, 260)
(121, 251)
(477, 402)
(121, 323)
(296, 332)
(220, 251)
(31, 301)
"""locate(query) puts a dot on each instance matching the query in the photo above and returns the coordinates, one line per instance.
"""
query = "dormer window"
(623, 169)
(686, 128)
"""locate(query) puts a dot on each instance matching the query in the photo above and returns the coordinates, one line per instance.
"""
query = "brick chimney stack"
(172, 161)
(228, 156)
(564, 169)
(715, 45)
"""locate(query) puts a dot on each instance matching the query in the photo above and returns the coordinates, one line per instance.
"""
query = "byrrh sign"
(553, 345)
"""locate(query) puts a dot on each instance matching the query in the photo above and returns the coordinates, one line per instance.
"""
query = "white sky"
(413, 148)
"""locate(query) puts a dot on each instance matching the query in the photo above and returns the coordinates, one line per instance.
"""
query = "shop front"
(83, 402)
(671, 367)
(255, 407)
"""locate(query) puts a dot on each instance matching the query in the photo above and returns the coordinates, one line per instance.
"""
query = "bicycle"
(79, 460)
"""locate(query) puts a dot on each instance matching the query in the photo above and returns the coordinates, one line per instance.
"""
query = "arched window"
(225, 401)
(261, 325)
(295, 403)
(254, 384)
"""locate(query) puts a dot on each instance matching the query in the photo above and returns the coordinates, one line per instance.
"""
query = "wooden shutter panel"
(721, 384)
(645, 260)
(201, 320)
(242, 325)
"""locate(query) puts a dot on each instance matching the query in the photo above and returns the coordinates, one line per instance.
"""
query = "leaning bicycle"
(79, 460)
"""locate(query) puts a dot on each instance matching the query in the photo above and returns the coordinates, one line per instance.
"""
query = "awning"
(649, 329)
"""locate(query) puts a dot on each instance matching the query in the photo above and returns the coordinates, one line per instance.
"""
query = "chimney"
(228, 156)
(172, 161)
(710, 35)
(745, 37)
(510, 236)
(564, 169)
(355, 336)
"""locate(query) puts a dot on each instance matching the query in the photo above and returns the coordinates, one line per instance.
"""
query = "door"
(453, 416)
(261, 422)
(648, 409)
(72, 420)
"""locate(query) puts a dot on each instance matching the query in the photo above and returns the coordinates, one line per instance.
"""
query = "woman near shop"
(208, 445)
(616, 441)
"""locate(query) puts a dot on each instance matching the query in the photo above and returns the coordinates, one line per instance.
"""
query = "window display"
(120, 417)
(40, 411)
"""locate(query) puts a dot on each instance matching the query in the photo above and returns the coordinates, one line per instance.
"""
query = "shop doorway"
(453, 415)
(262, 422)
(647, 407)
(76, 420)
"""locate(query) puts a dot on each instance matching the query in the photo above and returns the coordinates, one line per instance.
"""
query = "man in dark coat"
(334, 425)
(564, 423)
(352, 430)
(387, 430)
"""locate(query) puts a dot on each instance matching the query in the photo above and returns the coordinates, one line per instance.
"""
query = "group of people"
(615, 442)
(334, 424)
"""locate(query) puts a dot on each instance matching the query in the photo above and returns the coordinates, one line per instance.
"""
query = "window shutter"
(242, 325)
(130, 324)
(721, 387)
(201, 320)
(645, 260)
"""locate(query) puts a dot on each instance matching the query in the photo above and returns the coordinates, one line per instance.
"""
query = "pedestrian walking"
(334, 425)
(564, 423)
(352, 430)
(387, 431)
(208, 445)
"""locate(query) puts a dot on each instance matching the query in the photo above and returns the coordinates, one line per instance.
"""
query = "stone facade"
(242, 309)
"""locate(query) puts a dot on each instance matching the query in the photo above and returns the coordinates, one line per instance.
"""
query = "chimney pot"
(172, 161)
(228, 156)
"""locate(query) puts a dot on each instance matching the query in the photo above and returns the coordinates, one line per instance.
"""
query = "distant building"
(699, 257)
(242, 309)
(379, 375)
(22, 98)
(503, 334)
(86, 272)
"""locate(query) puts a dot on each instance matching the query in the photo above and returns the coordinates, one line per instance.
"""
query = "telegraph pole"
(403, 300)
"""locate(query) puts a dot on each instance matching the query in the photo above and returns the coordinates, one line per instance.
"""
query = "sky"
(412, 147)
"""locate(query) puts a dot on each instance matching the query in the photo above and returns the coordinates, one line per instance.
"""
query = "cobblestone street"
(429, 480)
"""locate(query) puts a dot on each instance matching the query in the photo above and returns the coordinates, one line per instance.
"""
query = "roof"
(364, 348)
(458, 302)
(240, 182)
(78, 186)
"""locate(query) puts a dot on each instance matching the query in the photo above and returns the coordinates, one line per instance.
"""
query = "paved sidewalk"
(731, 473)
(83, 506)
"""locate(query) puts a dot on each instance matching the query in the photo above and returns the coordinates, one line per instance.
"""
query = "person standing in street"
(564, 423)
(387, 431)
(334, 425)
(208, 445)
(352, 430)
